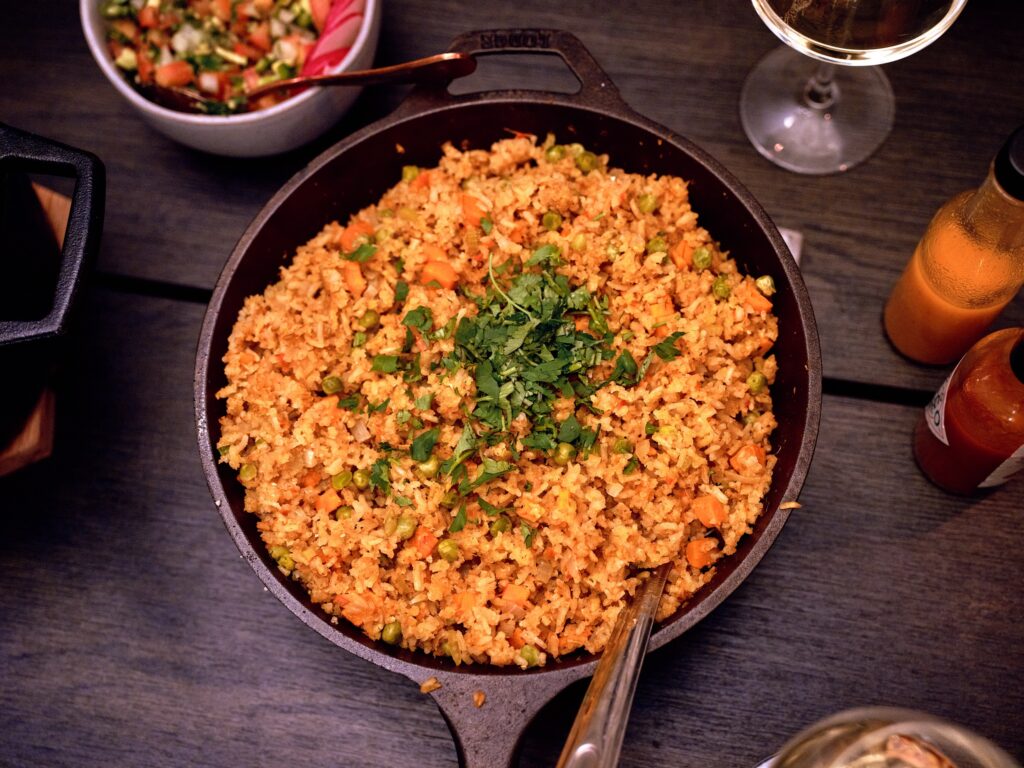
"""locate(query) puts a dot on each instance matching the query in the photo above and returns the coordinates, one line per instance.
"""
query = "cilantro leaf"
(423, 444)
(385, 363)
(570, 430)
(546, 254)
(421, 318)
(459, 521)
(528, 534)
(423, 401)
(401, 291)
(625, 370)
(667, 349)
(487, 507)
(380, 476)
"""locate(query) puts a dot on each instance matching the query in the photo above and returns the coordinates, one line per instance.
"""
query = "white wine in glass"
(805, 114)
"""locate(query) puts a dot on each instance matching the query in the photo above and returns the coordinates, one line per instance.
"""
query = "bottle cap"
(1009, 165)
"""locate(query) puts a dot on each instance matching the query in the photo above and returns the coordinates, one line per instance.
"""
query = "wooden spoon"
(439, 68)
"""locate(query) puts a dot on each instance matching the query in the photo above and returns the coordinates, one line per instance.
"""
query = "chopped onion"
(277, 28)
(209, 82)
(186, 39)
(360, 433)
(286, 51)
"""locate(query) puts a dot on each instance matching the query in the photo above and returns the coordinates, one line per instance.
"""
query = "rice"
(552, 582)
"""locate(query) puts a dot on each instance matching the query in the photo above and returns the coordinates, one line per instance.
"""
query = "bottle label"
(935, 412)
(1006, 470)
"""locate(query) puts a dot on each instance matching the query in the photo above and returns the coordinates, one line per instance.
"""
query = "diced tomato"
(305, 48)
(320, 9)
(250, 78)
(259, 37)
(251, 53)
(126, 28)
(149, 17)
(222, 10)
(174, 74)
(145, 65)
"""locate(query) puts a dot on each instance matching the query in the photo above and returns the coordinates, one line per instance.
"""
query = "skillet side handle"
(29, 153)
(489, 736)
(596, 89)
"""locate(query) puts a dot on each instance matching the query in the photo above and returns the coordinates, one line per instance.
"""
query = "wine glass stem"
(820, 91)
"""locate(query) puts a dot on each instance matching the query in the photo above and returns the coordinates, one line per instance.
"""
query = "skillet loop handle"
(26, 152)
(596, 89)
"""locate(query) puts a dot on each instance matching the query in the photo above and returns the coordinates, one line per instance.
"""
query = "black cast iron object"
(38, 280)
(356, 172)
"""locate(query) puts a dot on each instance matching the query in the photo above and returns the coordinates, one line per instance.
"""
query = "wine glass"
(883, 737)
(808, 116)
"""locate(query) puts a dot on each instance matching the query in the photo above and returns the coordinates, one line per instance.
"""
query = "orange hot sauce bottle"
(967, 267)
(971, 435)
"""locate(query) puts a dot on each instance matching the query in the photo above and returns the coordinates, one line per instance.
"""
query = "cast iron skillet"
(356, 172)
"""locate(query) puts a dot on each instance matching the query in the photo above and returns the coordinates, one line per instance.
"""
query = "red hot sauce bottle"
(971, 435)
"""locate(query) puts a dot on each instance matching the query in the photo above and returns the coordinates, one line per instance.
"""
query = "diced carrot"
(699, 552)
(357, 230)
(549, 553)
(310, 479)
(263, 6)
(328, 501)
(259, 37)
(423, 180)
(582, 322)
(433, 252)
(749, 459)
(174, 74)
(517, 640)
(682, 254)
(423, 541)
(517, 233)
(553, 644)
(754, 300)
(441, 272)
(250, 78)
(763, 347)
(353, 278)
(709, 510)
(149, 17)
(661, 312)
(222, 10)
(464, 602)
(516, 594)
(472, 210)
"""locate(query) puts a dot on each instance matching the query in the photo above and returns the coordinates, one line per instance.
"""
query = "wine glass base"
(793, 132)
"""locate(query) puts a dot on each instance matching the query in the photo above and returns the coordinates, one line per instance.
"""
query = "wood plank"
(174, 214)
(135, 635)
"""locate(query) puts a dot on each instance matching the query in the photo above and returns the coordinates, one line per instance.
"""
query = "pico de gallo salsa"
(218, 48)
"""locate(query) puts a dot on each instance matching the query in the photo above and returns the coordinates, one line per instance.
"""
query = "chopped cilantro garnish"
(420, 318)
(382, 405)
(528, 534)
(423, 401)
(488, 508)
(403, 417)
(459, 521)
(385, 363)
(569, 430)
(351, 402)
(401, 291)
(423, 445)
(402, 501)
(380, 476)
(362, 254)
(486, 225)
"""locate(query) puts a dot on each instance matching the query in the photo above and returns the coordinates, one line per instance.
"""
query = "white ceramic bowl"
(284, 126)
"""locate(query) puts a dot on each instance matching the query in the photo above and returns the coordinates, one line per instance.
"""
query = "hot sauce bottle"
(971, 435)
(967, 267)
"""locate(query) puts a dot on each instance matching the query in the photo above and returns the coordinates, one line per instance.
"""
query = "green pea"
(720, 287)
(575, 149)
(341, 480)
(765, 284)
(449, 550)
(530, 655)
(564, 453)
(331, 385)
(392, 633)
(429, 468)
(554, 153)
(622, 445)
(578, 242)
(551, 220)
(647, 203)
(750, 417)
(405, 527)
(369, 320)
(701, 258)
(450, 499)
(390, 525)
(650, 428)
(358, 339)
(409, 172)
(587, 162)
(283, 557)
(247, 472)
(657, 245)
(501, 525)
(361, 479)
(343, 513)
(756, 382)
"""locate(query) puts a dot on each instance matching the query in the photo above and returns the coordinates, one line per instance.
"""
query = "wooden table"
(132, 633)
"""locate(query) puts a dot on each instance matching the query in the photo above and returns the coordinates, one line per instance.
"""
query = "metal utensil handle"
(596, 736)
